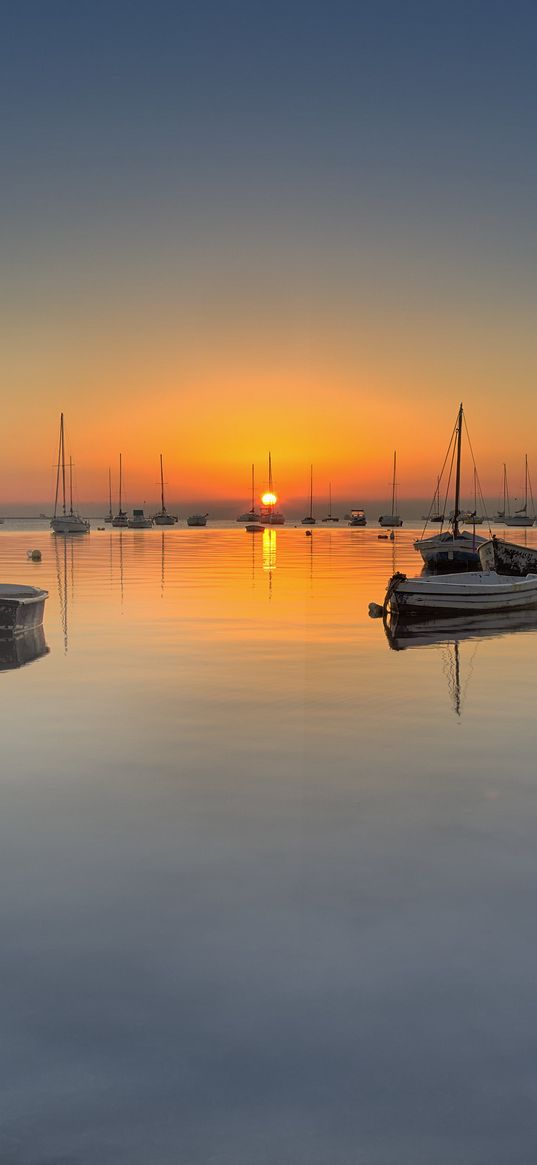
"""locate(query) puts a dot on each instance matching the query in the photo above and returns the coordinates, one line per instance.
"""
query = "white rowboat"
(470, 593)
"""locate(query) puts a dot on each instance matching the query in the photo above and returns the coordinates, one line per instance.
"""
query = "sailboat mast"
(120, 483)
(252, 509)
(58, 467)
(458, 475)
(71, 484)
(62, 446)
(311, 491)
(526, 485)
(161, 485)
(504, 488)
(109, 492)
(270, 473)
(329, 499)
(393, 483)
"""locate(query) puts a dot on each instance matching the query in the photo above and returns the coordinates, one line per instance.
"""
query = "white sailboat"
(502, 514)
(251, 515)
(454, 547)
(163, 518)
(67, 521)
(109, 516)
(309, 520)
(393, 518)
(521, 516)
(269, 514)
(120, 519)
(330, 517)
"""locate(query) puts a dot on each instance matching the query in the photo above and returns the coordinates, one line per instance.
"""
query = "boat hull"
(479, 592)
(70, 524)
(522, 521)
(508, 558)
(21, 609)
(444, 552)
(164, 520)
(390, 520)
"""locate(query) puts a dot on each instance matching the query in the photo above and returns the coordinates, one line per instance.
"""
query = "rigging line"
(451, 439)
(483, 503)
(448, 486)
(531, 494)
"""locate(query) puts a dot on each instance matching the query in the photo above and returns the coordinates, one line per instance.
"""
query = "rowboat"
(21, 608)
(508, 557)
(472, 593)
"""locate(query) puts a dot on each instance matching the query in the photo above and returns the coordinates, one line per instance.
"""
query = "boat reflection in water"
(19, 650)
(448, 634)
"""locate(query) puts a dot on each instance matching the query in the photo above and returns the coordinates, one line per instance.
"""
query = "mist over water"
(267, 876)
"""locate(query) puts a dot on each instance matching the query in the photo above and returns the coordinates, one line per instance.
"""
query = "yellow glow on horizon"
(269, 499)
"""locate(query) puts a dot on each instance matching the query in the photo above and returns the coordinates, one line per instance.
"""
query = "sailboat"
(121, 518)
(393, 518)
(269, 514)
(163, 518)
(250, 515)
(109, 515)
(521, 516)
(502, 514)
(309, 520)
(330, 517)
(471, 517)
(452, 548)
(68, 521)
(436, 515)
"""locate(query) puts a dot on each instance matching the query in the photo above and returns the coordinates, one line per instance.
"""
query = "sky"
(234, 225)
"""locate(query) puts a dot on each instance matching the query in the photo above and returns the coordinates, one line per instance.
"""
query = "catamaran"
(393, 518)
(67, 521)
(121, 518)
(163, 518)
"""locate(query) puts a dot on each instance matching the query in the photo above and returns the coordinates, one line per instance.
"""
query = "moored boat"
(452, 548)
(357, 518)
(163, 518)
(475, 592)
(250, 515)
(139, 521)
(521, 516)
(309, 520)
(21, 608)
(508, 557)
(392, 519)
(330, 517)
(121, 519)
(197, 520)
(66, 521)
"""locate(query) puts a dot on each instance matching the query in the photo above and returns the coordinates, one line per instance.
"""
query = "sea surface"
(268, 877)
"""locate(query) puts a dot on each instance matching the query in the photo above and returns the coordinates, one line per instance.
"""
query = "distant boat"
(254, 528)
(357, 518)
(121, 519)
(393, 518)
(508, 557)
(472, 593)
(197, 520)
(521, 516)
(471, 517)
(436, 515)
(67, 521)
(139, 521)
(163, 518)
(250, 515)
(330, 517)
(268, 514)
(109, 517)
(309, 520)
(21, 608)
(452, 548)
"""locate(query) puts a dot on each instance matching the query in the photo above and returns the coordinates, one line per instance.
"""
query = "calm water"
(268, 886)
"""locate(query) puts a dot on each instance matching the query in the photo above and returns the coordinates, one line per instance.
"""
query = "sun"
(269, 499)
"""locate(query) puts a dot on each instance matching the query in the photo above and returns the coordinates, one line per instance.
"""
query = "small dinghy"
(21, 608)
(470, 593)
(508, 557)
